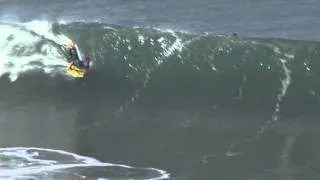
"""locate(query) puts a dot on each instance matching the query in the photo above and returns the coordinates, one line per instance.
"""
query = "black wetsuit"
(73, 56)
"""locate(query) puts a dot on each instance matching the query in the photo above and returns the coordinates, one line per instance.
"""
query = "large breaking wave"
(150, 70)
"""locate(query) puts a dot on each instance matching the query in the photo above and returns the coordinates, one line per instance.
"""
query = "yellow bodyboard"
(74, 71)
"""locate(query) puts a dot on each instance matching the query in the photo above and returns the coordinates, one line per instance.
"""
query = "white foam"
(285, 84)
(44, 28)
(33, 164)
(141, 39)
(24, 43)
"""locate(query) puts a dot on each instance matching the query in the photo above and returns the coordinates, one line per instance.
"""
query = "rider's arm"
(69, 57)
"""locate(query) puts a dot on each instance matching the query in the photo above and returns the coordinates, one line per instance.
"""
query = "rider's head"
(68, 44)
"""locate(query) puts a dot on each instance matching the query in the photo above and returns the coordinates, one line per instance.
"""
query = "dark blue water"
(275, 18)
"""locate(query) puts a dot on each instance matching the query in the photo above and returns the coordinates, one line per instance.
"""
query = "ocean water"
(196, 90)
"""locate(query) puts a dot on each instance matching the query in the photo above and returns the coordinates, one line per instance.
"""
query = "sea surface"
(179, 90)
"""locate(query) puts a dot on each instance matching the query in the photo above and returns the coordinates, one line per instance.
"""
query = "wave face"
(192, 104)
(180, 70)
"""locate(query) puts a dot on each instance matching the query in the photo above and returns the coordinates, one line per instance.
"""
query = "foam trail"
(284, 88)
(285, 83)
(175, 47)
